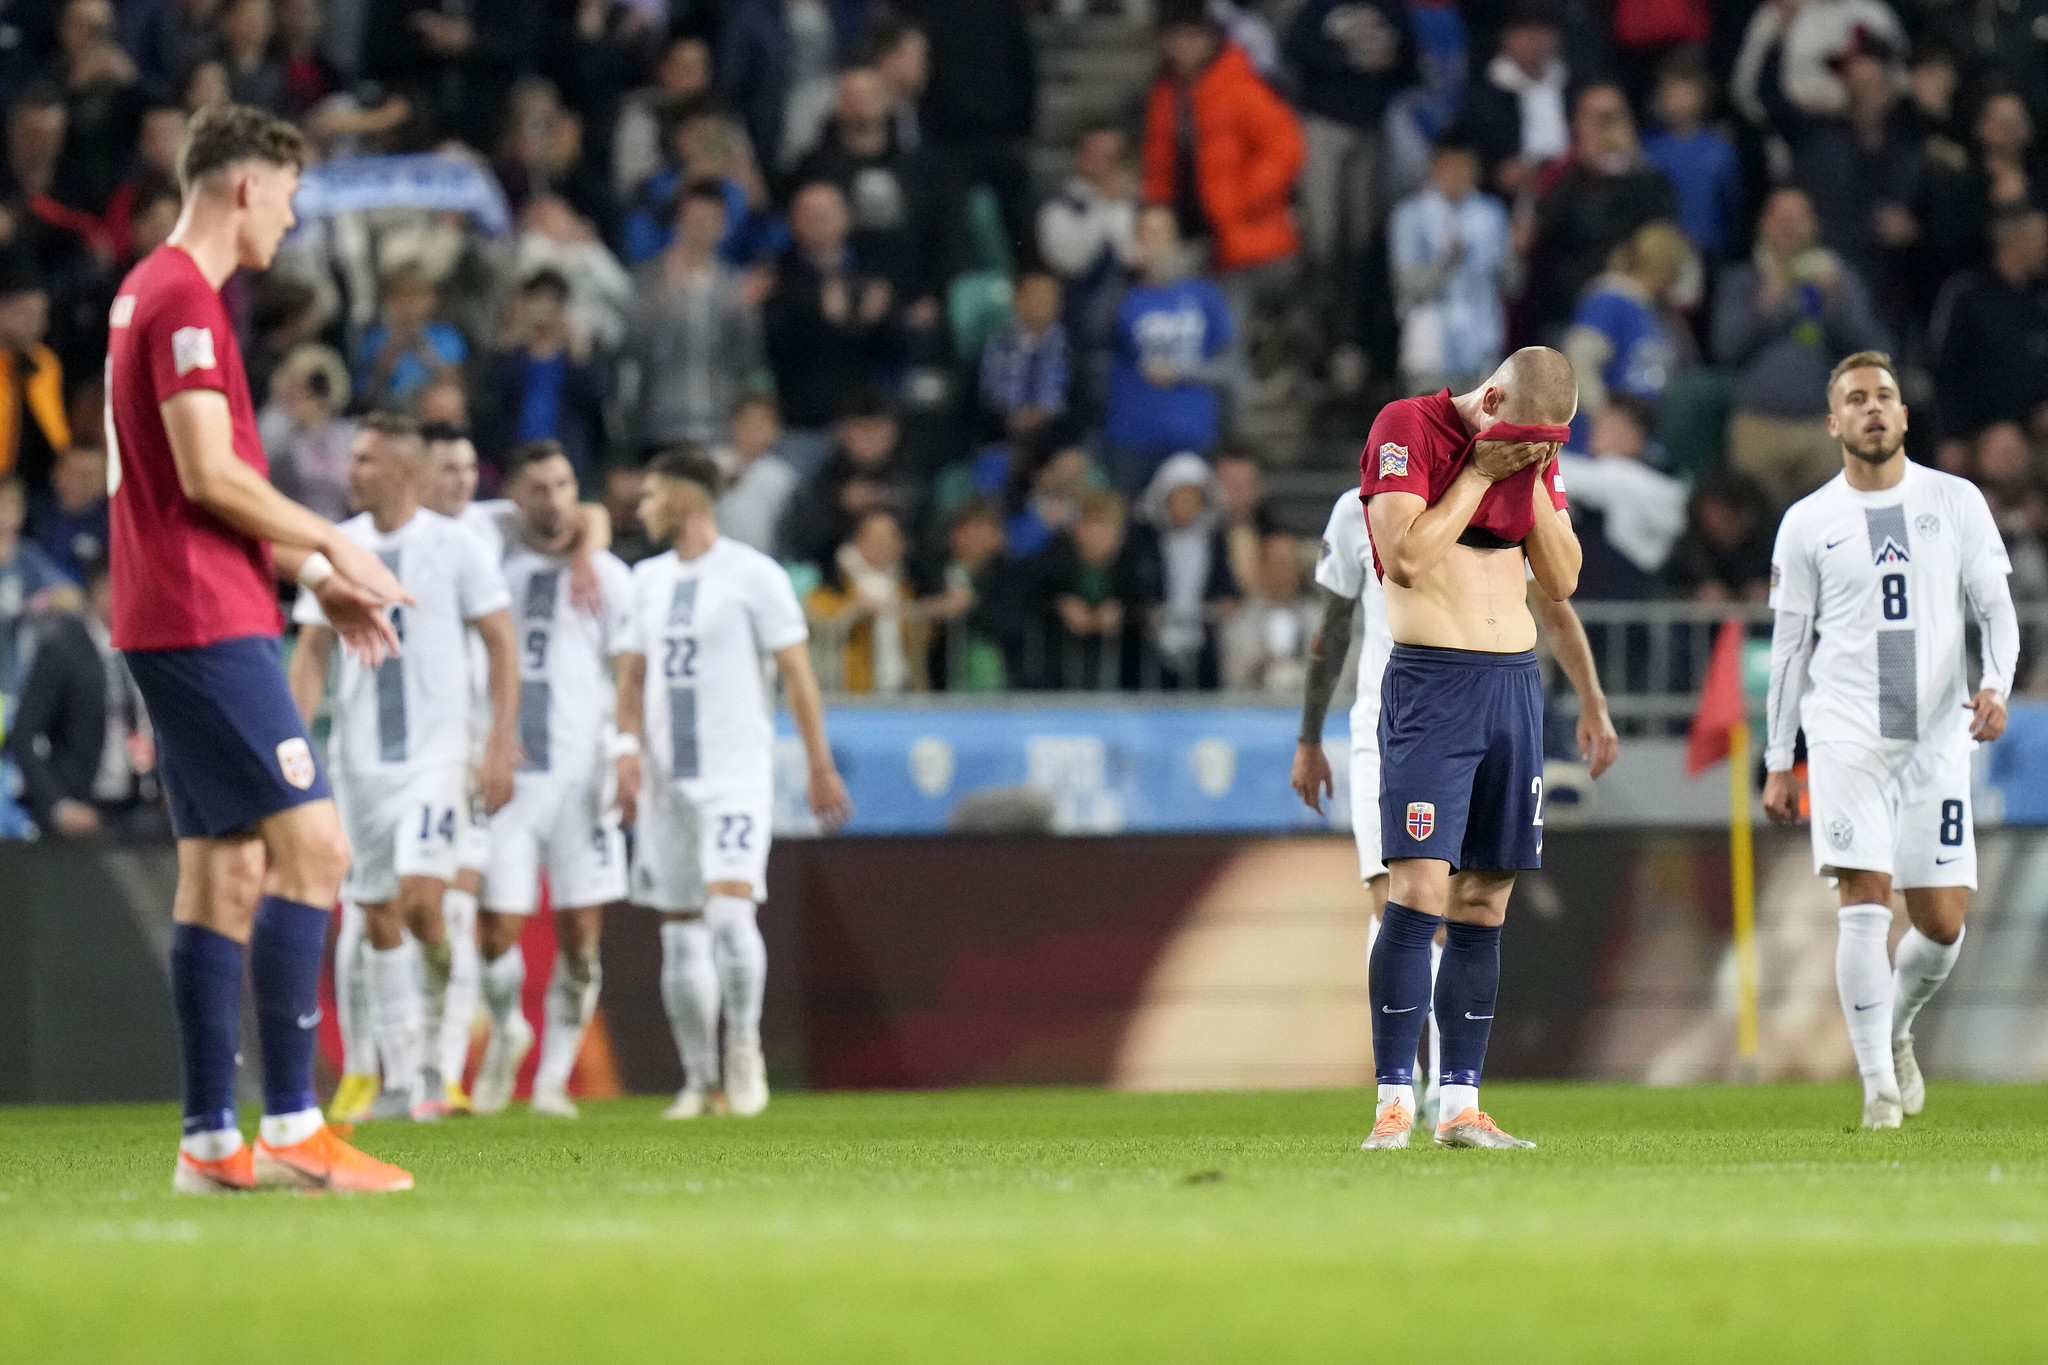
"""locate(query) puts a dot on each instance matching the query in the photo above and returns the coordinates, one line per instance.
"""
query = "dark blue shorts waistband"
(1436, 656)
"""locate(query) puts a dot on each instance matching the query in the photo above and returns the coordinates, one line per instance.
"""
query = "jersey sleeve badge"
(295, 761)
(1393, 461)
(192, 349)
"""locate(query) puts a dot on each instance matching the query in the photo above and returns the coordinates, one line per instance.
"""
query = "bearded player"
(1464, 507)
(1872, 579)
(198, 536)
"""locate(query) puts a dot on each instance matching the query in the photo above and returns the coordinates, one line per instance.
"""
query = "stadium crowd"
(998, 430)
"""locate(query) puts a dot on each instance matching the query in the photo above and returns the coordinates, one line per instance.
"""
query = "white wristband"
(622, 745)
(316, 570)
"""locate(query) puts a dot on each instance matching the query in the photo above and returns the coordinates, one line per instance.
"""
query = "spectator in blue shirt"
(546, 387)
(1622, 338)
(29, 581)
(1172, 334)
(70, 520)
(1701, 163)
(1453, 270)
(703, 148)
(1024, 366)
(407, 347)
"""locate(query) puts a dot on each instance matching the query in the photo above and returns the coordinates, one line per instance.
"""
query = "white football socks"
(1923, 966)
(352, 995)
(504, 981)
(572, 1000)
(396, 1013)
(288, 1130)
(436, 965)
(742, 961)
(1403, 1093)
(1863, 980)
(216, 1145)
(689, 991)
(465, 968)
(1453, 1100)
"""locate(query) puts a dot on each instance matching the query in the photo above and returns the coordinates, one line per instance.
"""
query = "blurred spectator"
(255, 75)
(70, 520)
(705, 147)
(1084, 578)
(544, 384)
(1725, 553)
(866, 472)
(1223, 152)
(309, 77)
(1781, 320)
(1624, 337)
(1989, 335)
(595, 50)
(2021, 511)
(303, 432)
(60, 240)
(1628, 514)
(1353, 57)
(1805, 41)
(1453, 270)
(455, 63)
(1266, 641)
(1182, 564)
(165, 38)
(827, 319)
(1024, 366)
(1170, 332)
(1705, 172)
(102, 101)
(1933, 83)
(758, 482)
(898, 222)
(203, 81)
(33, 422)
(442, 402)
(776, 65)
(407, 347)
(162, 132)
(1086, 233)
(601, 294)
(2004, 173)
(981, 102)
(621, 494)
(82, 738)
(694, 340)
(980, 609)
(682, 76)
(1049, 494)
(1517, 106)
(543, 152)
(901, 55)
(867, 610)
(1239, 489)
(29, 581)
(1594, 203)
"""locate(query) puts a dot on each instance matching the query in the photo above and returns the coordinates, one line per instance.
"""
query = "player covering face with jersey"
(1872, 579)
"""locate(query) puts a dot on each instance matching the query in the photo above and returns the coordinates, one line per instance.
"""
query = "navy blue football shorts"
(1461, 758)
(230, 747)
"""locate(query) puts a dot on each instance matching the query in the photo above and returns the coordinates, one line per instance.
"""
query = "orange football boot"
(1391, 1129)
(324, 1162)
(234, 1174)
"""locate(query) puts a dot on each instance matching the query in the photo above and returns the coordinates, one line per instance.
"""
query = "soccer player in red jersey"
(1463, 503)
(197, 538)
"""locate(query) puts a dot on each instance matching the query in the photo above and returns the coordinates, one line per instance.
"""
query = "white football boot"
(1475, 1129)
(689, 1104)
(746, 1081)
(1912, 1085)
(1882, 1111)
(499, 1070)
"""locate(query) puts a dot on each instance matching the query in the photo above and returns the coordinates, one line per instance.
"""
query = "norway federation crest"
(295, 761)
(1421, 819)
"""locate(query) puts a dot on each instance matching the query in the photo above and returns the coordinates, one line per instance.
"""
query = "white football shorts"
(476, 837)
(408, 823)
(1365, 805)
(566, 824)
(1903, 811)
(690, 835)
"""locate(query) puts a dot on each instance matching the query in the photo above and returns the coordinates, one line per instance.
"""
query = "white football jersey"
(565, 690)
(492, 523)
(705, 626)
(1888, 578)
(414, 708)
(1345, 568)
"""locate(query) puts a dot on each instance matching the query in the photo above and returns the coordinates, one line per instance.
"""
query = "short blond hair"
(1862, 360)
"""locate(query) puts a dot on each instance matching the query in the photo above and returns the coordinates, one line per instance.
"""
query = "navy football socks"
(1467, 984)
(206, 989)
(285, 951)
(1399, 979)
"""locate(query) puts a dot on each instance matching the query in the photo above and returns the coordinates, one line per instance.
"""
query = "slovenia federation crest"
(295, 761)
(1927, 524)
(1421, 819)
(1393, 461)
(1841, 834)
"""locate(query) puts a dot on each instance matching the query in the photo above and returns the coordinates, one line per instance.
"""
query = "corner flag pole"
(1742, 867)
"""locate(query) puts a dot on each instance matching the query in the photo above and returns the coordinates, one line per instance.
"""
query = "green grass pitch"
(1063, 1226)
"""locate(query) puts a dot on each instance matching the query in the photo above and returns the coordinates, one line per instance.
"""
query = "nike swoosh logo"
(1476, 1017)
(1871, 1006)
(1833, 543)
(309, 1020)
(1389, 1009)
(1944, 862)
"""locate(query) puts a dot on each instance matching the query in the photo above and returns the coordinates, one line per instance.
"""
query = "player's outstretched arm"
(201, 433)
(1311, 778)
(1598, 743)
(501, 750)
(308, 672)
(631, 670)
(1553, 547)
(829, 801)
(593, 536)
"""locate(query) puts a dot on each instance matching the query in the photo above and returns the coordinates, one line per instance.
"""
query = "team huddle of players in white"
(496, 747)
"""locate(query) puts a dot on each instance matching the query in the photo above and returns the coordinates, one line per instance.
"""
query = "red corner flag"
(1722, 707)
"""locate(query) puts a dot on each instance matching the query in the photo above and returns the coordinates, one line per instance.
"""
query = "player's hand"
(494, 775)
(1988, 711)
(367, 571)
(629, 790)
(829, 801)
(586, 590)
(1497, 460)
(358, 619)
(1598, 743)
(74, 818)
(1781, 797)
(1311, 778)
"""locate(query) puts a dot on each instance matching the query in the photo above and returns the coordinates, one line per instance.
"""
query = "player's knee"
(498, 934)
(1864, 888)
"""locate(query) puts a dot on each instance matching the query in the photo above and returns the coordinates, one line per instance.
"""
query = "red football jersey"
(1418, 445)
(181, 578)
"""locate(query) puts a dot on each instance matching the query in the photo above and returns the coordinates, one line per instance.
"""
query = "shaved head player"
(1462, 499)
(198, 536)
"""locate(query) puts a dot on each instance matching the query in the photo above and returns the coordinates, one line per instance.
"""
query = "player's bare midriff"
(1472, 599)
